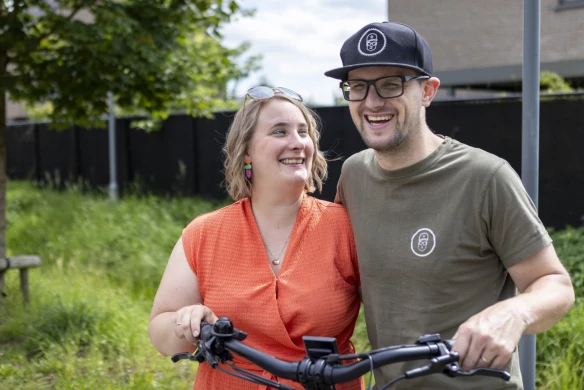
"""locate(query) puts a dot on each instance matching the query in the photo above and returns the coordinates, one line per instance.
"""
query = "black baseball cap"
(384, 44)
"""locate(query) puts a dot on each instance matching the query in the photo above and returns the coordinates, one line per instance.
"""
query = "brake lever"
(440, 364)
(199, 355)
(180, 356)
(456, 371)
(477, 371)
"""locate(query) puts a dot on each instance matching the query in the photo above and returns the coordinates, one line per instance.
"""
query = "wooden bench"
(23, 263)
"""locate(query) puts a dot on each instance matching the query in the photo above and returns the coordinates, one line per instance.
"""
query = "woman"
(278, 263)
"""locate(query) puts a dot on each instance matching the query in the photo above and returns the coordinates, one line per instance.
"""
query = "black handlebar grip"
(206, 329)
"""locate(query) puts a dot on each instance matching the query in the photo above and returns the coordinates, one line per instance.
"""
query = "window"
(566, 4)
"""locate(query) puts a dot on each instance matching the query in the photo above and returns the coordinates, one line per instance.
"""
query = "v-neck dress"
(315, 293)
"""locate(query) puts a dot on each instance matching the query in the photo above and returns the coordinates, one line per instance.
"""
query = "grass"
(90, 301)
(560, 353)
(86, 326)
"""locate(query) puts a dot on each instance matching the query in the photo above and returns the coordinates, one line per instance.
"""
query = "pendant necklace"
(276, 260)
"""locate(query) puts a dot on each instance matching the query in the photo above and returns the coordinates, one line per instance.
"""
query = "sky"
(299, 40)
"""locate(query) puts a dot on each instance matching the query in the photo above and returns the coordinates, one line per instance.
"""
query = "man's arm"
(489, 338)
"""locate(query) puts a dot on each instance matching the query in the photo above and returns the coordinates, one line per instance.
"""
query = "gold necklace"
(276, 260)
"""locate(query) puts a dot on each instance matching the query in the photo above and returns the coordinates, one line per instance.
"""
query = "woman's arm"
(177, 309)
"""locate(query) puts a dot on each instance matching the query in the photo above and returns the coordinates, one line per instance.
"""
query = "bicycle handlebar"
(321, 368)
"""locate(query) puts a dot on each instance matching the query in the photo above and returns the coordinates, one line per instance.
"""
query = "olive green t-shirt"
(434, 242)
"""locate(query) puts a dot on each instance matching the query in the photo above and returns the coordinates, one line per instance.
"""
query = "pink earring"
(247, 168)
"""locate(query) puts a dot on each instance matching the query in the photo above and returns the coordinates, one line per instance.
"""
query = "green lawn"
(86, 326)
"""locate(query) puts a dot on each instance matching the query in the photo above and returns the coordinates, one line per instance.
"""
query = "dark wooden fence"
(185, 157)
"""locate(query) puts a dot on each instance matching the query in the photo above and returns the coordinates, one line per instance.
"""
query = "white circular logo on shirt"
(423, 242)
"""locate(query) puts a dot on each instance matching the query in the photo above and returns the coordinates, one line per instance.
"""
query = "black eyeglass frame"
(368, 83)
(270, 92)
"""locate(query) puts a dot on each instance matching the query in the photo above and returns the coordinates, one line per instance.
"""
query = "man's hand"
(489, 338)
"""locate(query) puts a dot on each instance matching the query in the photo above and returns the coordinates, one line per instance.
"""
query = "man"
(445, 232)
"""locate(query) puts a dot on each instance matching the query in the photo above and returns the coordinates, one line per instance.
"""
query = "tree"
(154, 55)
(553, 82)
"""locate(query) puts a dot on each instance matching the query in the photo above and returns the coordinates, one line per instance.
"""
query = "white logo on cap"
(371, 41)
(373, 37)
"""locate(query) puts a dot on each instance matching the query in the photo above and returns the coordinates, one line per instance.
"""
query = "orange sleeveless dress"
(315, 293)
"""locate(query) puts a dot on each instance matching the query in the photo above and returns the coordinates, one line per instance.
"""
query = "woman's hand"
(187, 321)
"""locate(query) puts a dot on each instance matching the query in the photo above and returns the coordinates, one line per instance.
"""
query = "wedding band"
(178, 323)
(484, 360)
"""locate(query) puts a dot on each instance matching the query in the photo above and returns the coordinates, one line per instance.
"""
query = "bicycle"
(321, 369)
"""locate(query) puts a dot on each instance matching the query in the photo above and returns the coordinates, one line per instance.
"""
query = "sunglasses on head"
(263, 93)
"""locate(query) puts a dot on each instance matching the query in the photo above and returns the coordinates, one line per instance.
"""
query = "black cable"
(399, 378)
(244, 374)
(370, 368)
(361, 356)
(251, 377)
(264, 381)
(365, 355)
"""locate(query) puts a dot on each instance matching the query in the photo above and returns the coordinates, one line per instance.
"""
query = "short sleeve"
(346, 259)
(354, 257)
(510, 217)
(339, 196)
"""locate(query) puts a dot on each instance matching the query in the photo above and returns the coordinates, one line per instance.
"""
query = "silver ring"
(178, 323)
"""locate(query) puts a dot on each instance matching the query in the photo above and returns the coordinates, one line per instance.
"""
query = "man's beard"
(396, 139)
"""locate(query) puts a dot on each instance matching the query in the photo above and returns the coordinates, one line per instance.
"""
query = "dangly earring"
(247, 168)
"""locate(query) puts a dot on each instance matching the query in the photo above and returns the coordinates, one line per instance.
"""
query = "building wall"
(466, 34)
(14, 110)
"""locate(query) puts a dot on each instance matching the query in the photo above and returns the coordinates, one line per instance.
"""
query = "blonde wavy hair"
(239, 136)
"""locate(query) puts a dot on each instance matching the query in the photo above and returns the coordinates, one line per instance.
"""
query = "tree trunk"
(2, 183)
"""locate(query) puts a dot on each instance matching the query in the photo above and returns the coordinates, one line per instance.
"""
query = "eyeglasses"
(263, 93)
(386, 87)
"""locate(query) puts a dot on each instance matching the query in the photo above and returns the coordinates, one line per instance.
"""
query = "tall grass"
(129, 241)
(86, 326)
(560, 351)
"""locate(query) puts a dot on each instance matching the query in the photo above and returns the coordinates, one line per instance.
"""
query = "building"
(477, 45)
(14, 110)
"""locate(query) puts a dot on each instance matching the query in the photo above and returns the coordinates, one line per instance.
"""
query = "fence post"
(113, 186)
(530, 148)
